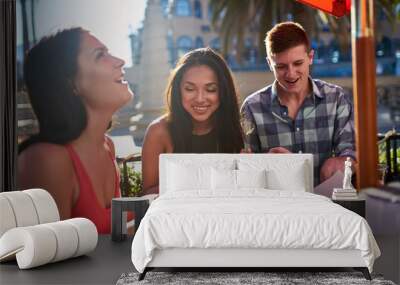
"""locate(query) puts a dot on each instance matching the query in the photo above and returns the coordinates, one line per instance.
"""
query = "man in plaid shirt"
(297, 113)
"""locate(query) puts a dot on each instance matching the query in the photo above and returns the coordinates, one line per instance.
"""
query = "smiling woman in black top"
(202, 114)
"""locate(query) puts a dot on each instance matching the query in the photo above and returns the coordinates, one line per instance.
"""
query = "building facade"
(172, 28)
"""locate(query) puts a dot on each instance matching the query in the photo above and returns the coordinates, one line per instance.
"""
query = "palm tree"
(234, 18)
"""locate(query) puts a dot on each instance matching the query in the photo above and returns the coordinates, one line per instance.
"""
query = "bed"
(247, 210)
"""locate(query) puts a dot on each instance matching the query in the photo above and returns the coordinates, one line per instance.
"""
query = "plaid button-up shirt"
(323, 126)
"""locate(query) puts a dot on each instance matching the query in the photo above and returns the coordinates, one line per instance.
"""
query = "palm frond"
(233, 19)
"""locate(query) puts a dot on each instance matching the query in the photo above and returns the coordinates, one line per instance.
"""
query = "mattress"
(251, 219)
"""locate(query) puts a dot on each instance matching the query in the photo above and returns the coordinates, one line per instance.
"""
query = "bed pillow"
(293, 180)
(223, 179)
(280, 174)
(183, 177)
(251, 178)
(228, 179)
(177, 170)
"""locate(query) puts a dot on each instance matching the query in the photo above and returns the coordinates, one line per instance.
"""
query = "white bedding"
(252, 218)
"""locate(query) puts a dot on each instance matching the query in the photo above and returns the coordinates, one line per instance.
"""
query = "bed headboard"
(283, 164)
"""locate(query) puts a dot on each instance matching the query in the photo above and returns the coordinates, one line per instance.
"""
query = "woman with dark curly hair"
(75, 86)
(202, 114)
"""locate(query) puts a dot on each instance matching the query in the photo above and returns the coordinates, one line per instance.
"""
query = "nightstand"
(119, 209)
(355, 205)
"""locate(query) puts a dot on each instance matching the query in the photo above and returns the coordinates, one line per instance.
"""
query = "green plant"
(394, 154)
(382, 156)
(131, 181)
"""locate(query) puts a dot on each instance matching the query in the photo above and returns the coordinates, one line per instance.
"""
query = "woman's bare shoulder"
(47, 166)
(158, 128)
(44, 148)
(48, 156)
(157, 137)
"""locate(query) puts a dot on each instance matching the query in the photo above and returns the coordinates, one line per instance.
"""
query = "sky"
(110, 20)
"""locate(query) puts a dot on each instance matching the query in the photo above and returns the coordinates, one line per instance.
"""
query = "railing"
(136, 157)
(391, 149)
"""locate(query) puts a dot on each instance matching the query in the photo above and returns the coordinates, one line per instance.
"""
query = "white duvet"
(252, 218)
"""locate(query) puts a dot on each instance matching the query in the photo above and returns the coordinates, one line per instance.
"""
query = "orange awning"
(337, 8)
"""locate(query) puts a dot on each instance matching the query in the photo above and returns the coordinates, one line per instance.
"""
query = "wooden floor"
(389, 262)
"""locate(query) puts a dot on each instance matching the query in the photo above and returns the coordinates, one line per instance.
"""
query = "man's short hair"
(284, 36)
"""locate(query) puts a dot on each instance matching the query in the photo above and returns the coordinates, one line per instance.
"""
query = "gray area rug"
(228, 278)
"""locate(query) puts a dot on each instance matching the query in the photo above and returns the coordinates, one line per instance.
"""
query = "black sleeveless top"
(206, 143)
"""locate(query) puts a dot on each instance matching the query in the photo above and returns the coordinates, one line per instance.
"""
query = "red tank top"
(87, 204)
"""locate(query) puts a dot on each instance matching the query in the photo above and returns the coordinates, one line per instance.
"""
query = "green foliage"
(382, 156)
(133, 186)
(393, 155)
(232, 19)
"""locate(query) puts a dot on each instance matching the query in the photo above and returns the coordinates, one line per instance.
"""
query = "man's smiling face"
(292, 68)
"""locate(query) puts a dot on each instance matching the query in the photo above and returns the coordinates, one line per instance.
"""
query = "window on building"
(215, 44)
(184, 44)
(334, 53)
(197, 9)
(205, 28)
(250, 52)
(199, 42)
(384, 47)
(183, 8)
(164, 5)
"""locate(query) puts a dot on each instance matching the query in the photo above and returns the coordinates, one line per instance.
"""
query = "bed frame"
(242, 259)
(250, 258)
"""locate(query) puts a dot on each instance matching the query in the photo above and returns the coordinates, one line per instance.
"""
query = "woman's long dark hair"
(226, 118)
(50, 69)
